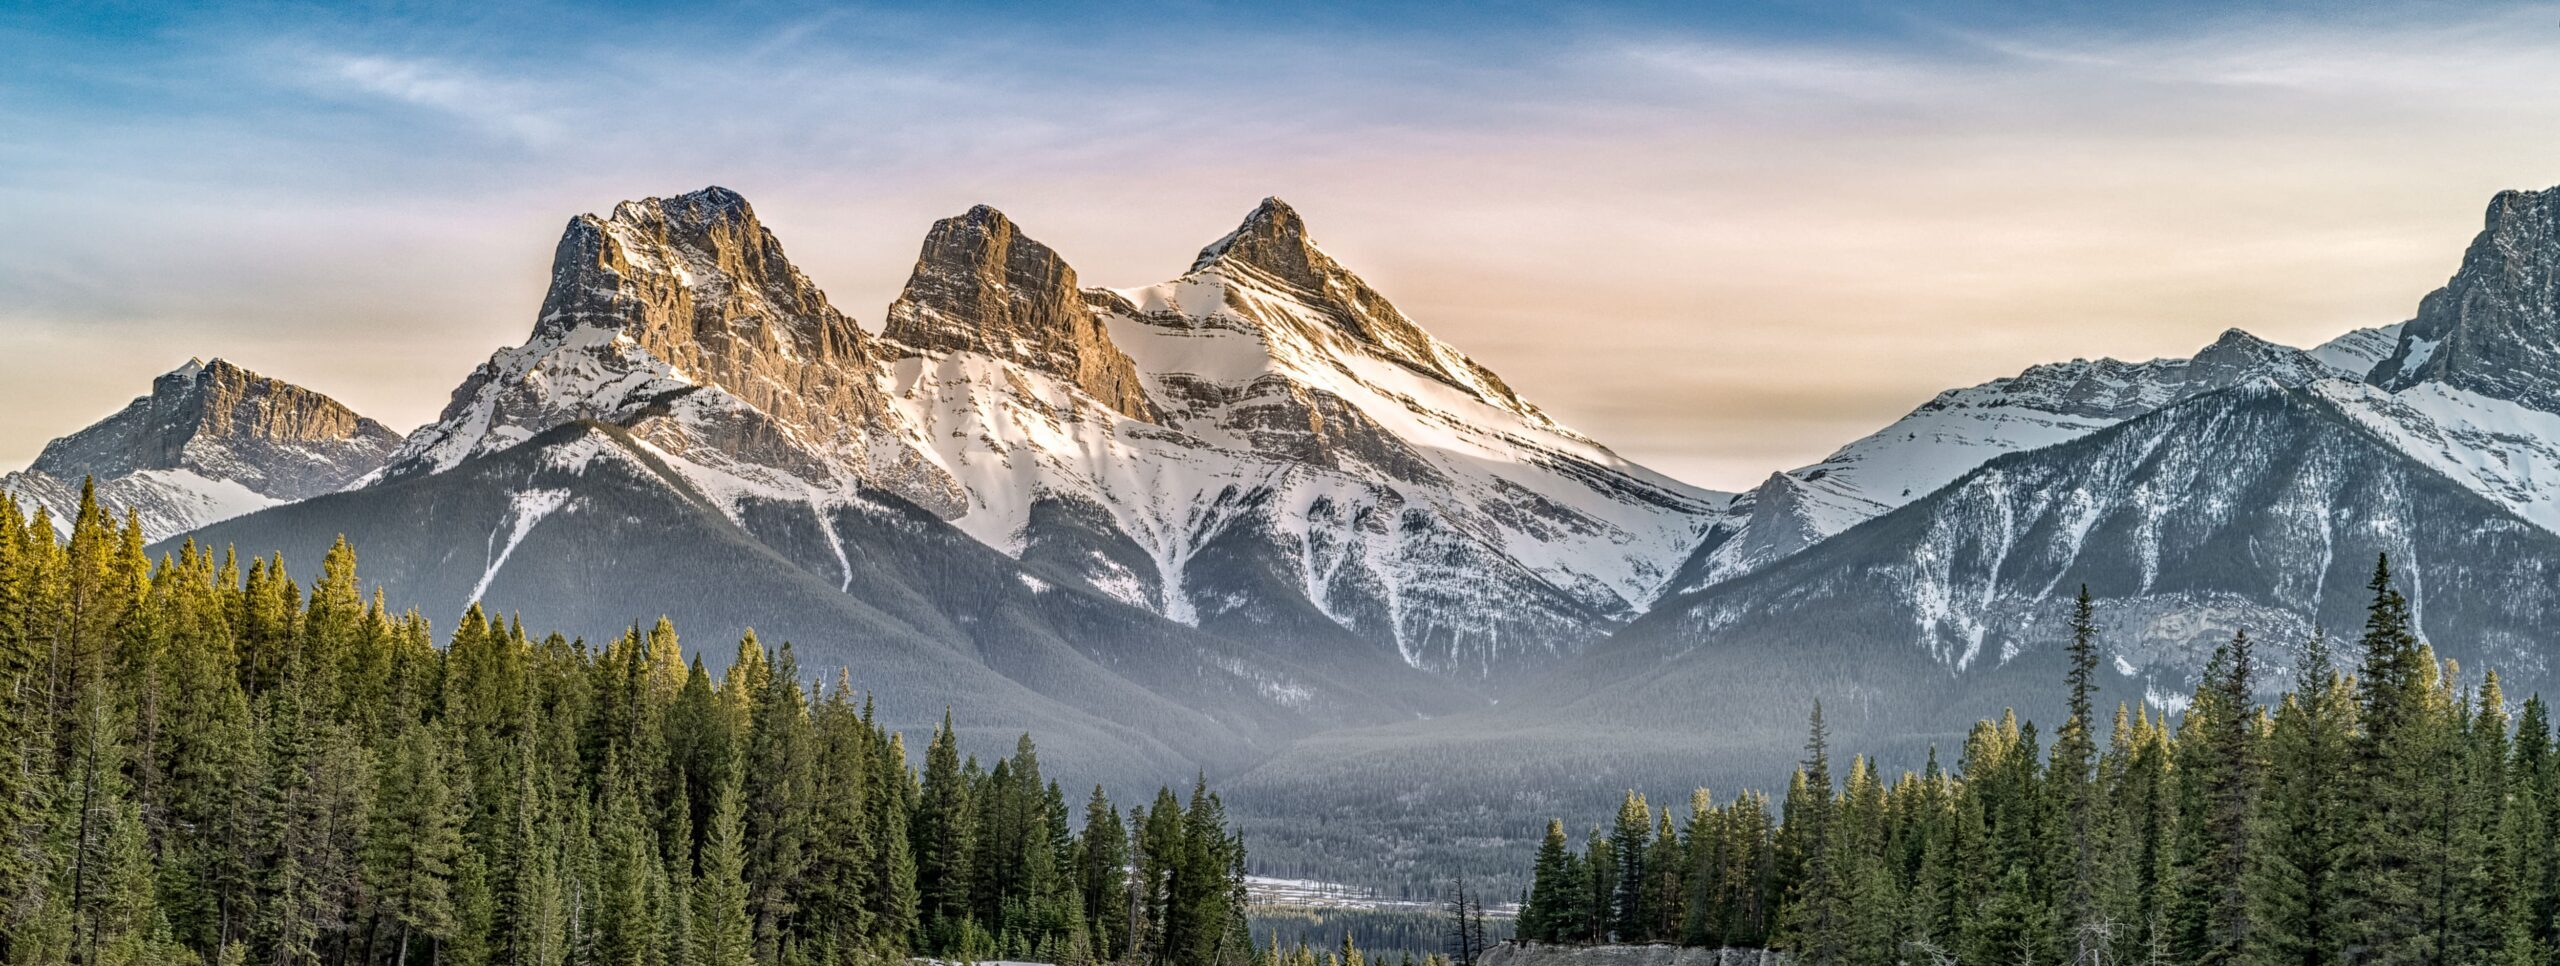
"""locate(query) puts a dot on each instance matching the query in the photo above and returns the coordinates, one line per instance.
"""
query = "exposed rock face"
(681, 320)
(981, 286)
(665, 296)
(210, 441)
(698, 280)
(2494, 329)
(1319, 472)
(1264, 448)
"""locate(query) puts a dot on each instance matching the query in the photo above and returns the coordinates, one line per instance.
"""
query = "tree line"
(201, 762)
(2389, 812)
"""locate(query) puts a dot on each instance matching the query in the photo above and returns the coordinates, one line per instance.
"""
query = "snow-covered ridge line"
(1267, 416)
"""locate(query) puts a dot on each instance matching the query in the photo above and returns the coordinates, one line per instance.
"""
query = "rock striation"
(981, 286)
(2494, 328)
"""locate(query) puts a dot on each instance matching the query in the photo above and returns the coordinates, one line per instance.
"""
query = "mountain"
(1266, 447)
(1257, 519)
(588, 528)
(2261, 507)
(692, 429)
(211, 441)
(686, 304)
(2357, 352)
(1964, 428)
(1919, 579)
(2488, 330)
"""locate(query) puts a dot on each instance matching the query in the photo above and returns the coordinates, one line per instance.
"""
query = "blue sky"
(1723, 237)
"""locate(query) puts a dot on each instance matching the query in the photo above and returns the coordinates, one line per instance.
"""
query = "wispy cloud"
(511, 109)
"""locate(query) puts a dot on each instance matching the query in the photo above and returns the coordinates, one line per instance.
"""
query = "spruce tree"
(1628, 847)
(1547, 916)
(2075, 794)
(723, 935)
(2294, 889)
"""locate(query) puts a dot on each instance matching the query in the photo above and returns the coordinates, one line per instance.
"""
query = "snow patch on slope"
(2503, 450)
(523, 511)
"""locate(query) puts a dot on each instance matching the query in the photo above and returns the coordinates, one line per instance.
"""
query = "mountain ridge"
(209, 441)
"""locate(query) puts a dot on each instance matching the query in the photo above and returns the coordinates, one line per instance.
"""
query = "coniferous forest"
(207, 762)
(2382, 809)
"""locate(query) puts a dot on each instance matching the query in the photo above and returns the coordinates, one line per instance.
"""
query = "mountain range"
(1257, 521)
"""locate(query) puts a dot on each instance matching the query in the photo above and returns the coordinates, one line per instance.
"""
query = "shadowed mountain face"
(2490, 330)
(2260, 507)
(588, 529)
(211, 440)
(1963, 428)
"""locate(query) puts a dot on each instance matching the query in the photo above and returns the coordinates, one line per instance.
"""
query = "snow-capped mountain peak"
(685, 312)
(1961, 429)
(1273, 274)
(1300, 456)
(211, 441)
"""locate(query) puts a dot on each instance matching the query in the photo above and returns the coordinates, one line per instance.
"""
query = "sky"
(1723, 238)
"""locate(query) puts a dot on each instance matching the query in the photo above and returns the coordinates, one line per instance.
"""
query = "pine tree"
(944, 831)
(2075, 794)
(2216, 773)
(2293, 886)
(1103, 854)
(1628, 847)
(1547, 916)
(723, 935)
(416, 844)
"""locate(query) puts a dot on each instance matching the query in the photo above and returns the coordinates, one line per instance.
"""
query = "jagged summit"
(1272, 238)
(2494, 328)
(208, 402)
(1274, 275)
(708, 204)
(665, 297)
(682, 273)
(980, 285)
(210, 440)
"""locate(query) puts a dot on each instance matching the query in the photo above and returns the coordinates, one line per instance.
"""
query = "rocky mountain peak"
(210, 440)
(1273, 239)
(982, 286)
(1271, 250)
(207, 404)
(692, 268)
(698, 282)
(695, 209)
(2238, 356)
(2494, 328)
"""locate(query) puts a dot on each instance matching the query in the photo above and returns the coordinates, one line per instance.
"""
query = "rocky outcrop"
(681, 320)
(214, 417)
(982, 286)
(209, 441)
(2494, 328)
(698, 282)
